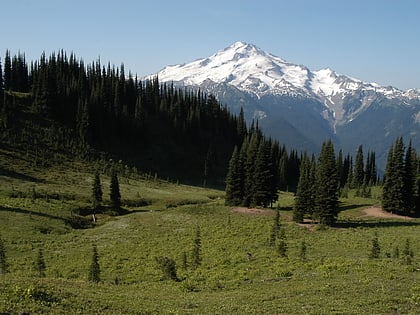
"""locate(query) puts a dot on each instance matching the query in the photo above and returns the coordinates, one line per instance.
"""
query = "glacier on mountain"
(252, 70)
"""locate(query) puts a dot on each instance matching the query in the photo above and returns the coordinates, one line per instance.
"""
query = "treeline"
(261, 167)
(401, 189)
(61, 102)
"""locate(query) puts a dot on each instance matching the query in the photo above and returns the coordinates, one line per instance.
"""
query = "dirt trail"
(379, 213)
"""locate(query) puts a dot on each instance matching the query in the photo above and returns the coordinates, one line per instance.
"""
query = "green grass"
(240, 272)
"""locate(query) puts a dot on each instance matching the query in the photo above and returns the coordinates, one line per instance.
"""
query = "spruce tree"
(304, 201)
(261, 181)
(40, 266)
(358, 175)
(393, 189)
(410, 175)
(94, 274)
(114, 194)
(375, 249)
(196, 251)
(234, 180)
(326, 198)
(3, 260)
(97, 192)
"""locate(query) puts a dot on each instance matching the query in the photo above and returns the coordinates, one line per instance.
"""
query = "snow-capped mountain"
(294, 102)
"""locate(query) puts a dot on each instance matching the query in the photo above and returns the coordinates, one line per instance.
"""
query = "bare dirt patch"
(380, 213)
(253, 211)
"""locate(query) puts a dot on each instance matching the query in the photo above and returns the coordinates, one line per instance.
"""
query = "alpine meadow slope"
(300, 107)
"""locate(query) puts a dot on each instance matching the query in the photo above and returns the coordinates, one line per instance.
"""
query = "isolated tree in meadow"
(282, 246)
(97, 191)
(94, 270)
(115, 194)
(327, 185)
(3, 260)
(375, 250)
(196, 251)
(168, 268)
(40, 266)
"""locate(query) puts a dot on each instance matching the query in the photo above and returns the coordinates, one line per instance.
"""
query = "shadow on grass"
(378, 223)
(23, 211)
(17, 175)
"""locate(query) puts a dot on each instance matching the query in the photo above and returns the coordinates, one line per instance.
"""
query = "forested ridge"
(59, 104)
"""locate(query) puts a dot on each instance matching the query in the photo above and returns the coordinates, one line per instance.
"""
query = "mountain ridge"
(272, 89)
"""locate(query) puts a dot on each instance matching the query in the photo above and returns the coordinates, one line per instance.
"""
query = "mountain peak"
(249, 68)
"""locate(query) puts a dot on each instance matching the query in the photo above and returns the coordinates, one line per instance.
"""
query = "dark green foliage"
(40, 266)
(168, 267)
(326, 197)
(87, 110)
(305, 201)
(359, 175)
(234, 180)
(375, 248)
(114, 194)
(400, 189)
(97, 192)
(282, 246)
(3, 260)
(196, 250)
(94, 274)
(408, 253)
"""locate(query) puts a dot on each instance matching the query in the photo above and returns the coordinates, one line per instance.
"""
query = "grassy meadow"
(240, 273)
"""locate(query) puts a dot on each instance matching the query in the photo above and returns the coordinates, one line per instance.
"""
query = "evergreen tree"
(196, 251)
(3, 260)
(375, 249)
(304, 201)
(393, 189)
(115, 195)
(302, 251)
(359, 175)
(282, 247)
(97, 192)
(234, 180)
(326, 198)
(262, 179)
(168, 267)
(94, 270)
(410, 176)
(40, 266)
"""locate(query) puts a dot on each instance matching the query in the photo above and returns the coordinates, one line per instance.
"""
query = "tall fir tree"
(234, 180)
(97, 192)
(115, 195)
(410, 175)
(94, 274)
(359, 175)
(304, 201)
(326, 198)
(4, 266)
(393, 189)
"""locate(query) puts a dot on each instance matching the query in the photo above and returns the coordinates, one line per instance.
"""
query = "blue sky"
(372, 40)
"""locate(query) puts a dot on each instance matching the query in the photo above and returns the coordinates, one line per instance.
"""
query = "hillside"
(61, 107)
(240, 272)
